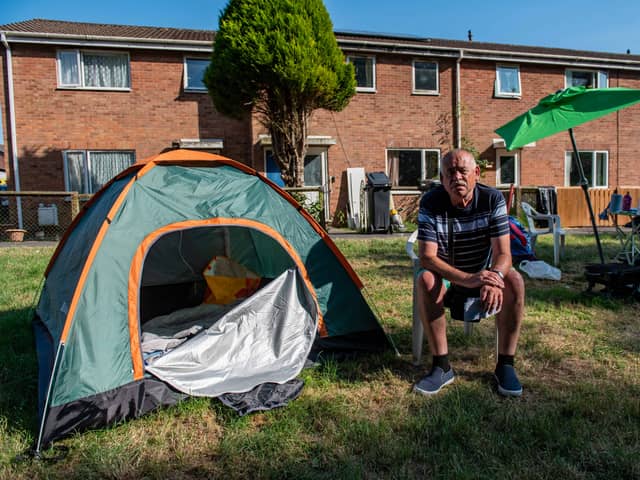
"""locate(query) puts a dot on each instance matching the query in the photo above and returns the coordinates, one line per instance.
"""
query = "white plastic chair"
(417, 334)
(553, 227)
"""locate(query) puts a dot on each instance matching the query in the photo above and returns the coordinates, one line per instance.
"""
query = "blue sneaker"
(508, 383)
(434, 381)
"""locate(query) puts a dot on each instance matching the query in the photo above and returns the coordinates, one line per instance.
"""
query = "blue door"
(272, 170)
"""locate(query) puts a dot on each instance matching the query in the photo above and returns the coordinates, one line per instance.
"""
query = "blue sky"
(612, 26)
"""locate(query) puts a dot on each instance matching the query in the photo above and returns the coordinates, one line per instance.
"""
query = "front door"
(315, 172)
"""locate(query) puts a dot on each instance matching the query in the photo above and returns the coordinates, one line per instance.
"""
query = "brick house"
(82, 101)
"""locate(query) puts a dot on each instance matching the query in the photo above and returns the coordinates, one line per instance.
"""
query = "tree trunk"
(288, 129)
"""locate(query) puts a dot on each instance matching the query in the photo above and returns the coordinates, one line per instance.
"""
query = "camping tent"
(145, 257)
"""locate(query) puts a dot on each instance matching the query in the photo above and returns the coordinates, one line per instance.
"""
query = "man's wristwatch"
(498, 272)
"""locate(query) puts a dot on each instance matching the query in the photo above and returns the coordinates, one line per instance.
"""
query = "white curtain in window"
(106, 70)
(432, 165)
(509, 80)
(106, 165)
(393, 162)
(76, 179)
(602, 170)
(69, 69)
(603, 79)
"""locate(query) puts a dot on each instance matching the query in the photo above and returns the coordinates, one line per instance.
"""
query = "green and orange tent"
(138, 253)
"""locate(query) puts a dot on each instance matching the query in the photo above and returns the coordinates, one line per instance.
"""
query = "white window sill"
(426, 92)
(97, 89)
(195, 90)
(511, 96)
(405, 191)
(365, 90)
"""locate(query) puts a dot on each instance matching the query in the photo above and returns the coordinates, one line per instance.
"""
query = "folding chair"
(553, 227)
(417, 335)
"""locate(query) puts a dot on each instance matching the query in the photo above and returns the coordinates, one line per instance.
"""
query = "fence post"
(323, 217)
(75, 205)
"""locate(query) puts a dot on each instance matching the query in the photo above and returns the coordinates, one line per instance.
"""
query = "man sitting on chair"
(477, 216)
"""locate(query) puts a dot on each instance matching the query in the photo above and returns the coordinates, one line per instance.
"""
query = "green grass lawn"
(579, 416)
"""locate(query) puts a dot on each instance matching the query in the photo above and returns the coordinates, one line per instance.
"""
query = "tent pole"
(585, 188)
(54, 370)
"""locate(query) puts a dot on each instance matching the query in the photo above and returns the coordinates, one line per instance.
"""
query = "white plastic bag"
(540, 269)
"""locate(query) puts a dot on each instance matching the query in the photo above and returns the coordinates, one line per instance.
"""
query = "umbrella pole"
(585, 188)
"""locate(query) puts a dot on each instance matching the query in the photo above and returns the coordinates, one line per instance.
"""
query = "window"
(314, 168)
(315, 174)
(86, 171)
(194, 69)
(94, 70)
(507, 81)
(586, 78)
(596, 168)
(407, 167)
(507, 169)
(365, 73)
(425, 77)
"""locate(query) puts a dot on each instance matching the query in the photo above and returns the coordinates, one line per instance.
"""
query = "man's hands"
(483, 278)
(489, 282)
(491, 286)
(491, 298)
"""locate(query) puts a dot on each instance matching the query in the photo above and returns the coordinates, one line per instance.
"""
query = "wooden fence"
(573, 210)
(572, 206)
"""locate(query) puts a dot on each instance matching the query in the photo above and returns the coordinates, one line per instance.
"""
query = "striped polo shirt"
(473, 226)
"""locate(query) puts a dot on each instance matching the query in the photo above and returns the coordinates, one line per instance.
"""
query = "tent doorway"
(206, 345)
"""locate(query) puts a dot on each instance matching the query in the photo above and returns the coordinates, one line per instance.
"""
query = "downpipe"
(12, 128)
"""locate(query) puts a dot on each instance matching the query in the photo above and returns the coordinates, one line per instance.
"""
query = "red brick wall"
(157, 111)
(392, 117)
(146, 119)
(544, 164)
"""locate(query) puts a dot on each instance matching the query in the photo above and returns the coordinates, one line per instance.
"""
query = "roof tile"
(164, 33)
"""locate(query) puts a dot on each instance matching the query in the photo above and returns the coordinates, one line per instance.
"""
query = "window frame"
(421, 91)
(185, 76)
(568, 159)
(500, 94)
(86, 166)
(423, 164)
(80, 59)
(371, 89)
(597, 74)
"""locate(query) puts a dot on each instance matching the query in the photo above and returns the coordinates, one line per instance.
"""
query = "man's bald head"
(457, 153)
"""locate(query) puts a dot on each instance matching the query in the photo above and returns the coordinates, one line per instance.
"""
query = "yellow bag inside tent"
(228, 281)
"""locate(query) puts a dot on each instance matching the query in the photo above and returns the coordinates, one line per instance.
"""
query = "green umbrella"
(564, 110)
